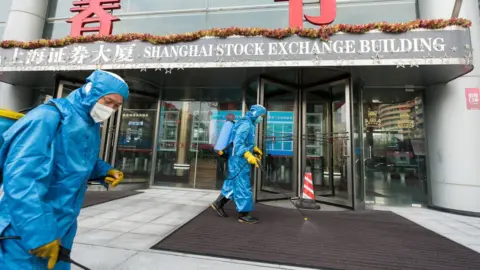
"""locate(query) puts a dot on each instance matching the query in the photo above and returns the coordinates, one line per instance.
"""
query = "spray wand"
(281, 191)
(63, 255)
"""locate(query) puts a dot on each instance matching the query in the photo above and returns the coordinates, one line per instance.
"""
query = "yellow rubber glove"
(114, 177)
(220, 152)
(251, 158)
(49, 251)
(257, 151)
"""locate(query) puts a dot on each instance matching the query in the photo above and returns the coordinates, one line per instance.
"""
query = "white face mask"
(101, 112)
(259, 120)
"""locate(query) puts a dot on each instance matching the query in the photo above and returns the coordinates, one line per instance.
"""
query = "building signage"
(412, 49)
(472, 96)
(328, 13)
(93, 12)
(372, 120)
(405, 120)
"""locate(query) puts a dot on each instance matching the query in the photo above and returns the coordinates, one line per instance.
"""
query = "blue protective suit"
(47, 158)
(237, 186)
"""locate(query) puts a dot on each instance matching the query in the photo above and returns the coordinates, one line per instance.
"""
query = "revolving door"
(306, 133)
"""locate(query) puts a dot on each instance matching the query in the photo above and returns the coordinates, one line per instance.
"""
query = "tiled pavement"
(118, 234)
(461, 229)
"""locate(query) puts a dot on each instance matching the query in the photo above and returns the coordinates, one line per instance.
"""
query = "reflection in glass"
(340, 140)
(358, 144)
(188, 131)
(316, 144)
(175, 160)
(211, 170)
(394, 148)
(135, 141)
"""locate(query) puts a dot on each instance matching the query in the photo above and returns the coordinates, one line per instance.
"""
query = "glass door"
(189, 124)
(216, 106)
(278, 139)
(134, 142)
(394, 147)
(175, 153)
(326, 145)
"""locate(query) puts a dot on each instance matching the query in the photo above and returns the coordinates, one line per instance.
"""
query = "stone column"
(453, 132)
(26, 21)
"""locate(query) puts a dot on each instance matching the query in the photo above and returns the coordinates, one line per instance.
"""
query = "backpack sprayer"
(7, 119)
(223, 141)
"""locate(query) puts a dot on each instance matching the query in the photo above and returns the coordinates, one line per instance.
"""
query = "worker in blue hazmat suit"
(240, 157)
(47, 159)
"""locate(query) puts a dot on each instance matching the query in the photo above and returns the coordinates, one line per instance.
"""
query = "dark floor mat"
(329, 240)
(98, 197)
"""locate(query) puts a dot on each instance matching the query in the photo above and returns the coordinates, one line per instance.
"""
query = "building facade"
(373, 127)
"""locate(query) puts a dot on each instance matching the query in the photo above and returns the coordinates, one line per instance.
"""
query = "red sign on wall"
(328, 13)
(93, 12)
(472, 96)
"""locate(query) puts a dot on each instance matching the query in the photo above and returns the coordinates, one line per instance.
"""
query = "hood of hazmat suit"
(255, 112)
(47, 159)
(237, 186)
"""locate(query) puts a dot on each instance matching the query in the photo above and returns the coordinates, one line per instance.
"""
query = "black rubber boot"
(218, 205)
(247, 218)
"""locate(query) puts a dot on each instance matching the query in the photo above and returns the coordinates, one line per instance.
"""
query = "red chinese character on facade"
(93, 11)
(328, 12)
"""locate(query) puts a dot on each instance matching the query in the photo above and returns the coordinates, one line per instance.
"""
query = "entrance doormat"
(98, 197)
(363, 240)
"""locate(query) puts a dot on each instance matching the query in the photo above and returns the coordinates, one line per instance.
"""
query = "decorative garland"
(322, 33)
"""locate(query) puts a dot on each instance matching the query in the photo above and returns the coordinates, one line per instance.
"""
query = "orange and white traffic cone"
(308, 198)
(308, 192)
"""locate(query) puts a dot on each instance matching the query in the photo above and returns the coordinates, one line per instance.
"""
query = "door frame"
(259, 176)
(349, 203)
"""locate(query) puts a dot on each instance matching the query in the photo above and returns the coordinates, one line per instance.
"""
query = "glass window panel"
(357, 13)
(394, 147)
(163, 5)
(135, 141)
(61, 8)
(326, 144)
(244, 3)
(280, 168)
(215, 106)
(162, 24)
(194, 118)
(175, 160)
(5, 10)
(270, 18)
(56, 30)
